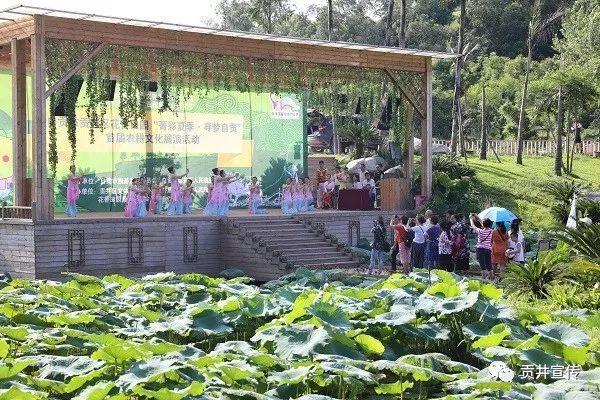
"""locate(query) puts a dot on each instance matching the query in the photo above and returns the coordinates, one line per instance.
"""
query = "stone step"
(317, 258)
(284, 219)
(293, 240)
(286, 234)
(283, 246)
(287, 228)
(341, 264)
(303, 251)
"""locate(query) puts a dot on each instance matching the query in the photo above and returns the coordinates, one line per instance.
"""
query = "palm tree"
(483, 151)
(329, 19)
(539, 31)
(457, 77)
(560, 126)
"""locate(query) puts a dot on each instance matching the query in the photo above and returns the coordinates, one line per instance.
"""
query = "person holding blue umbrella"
(496, 215)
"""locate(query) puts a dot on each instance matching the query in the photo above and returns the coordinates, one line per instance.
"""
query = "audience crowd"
(434, 242)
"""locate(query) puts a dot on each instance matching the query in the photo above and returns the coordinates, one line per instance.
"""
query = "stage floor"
(232, 213)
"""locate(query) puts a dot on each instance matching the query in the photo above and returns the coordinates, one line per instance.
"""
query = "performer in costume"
(308, 200)
(142, 194)
(255, 197)
(156, 199)
(131, 201)
(218, 203)
(287, 201)
(297, 195)
(215, 172)
(187, 193)
(73, 192)
(226, 180)
(175, 204)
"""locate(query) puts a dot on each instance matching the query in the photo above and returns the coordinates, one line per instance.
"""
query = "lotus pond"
(310, 336)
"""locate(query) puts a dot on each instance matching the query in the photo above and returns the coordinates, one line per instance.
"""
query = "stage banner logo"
(284, 107)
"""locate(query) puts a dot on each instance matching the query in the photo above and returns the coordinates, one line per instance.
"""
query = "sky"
(198, 12)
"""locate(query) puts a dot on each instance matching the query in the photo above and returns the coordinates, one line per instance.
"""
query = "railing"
(15, 212)
(530, 147)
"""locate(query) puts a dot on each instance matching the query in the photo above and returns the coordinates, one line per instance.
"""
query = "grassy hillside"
(519, 187)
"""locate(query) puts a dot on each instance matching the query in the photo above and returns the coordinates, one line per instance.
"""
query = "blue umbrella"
(498, 214)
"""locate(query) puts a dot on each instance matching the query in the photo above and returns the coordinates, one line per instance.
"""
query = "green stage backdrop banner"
(250, 134)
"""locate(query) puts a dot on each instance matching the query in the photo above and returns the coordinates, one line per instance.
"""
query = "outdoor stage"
(187, 97)
(263, 246)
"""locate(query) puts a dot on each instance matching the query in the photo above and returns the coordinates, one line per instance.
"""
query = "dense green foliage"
(567, 55)
(521, 188)
(311, 335)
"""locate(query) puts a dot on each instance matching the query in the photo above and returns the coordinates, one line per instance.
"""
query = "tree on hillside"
(539, 31)
(500, 26)
(263, 12)
(564, 91)
(235, 14)
(579, 46)
(388, 22)
(402, 25)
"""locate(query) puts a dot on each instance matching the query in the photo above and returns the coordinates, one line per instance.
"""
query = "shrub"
(562, 192)
(585, 240)
(452, 166)
(590, 209)
(536, 276)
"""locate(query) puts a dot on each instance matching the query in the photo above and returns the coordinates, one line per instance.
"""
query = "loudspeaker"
(111, 84)
(149, 86)
(59, 107)
(386, 116)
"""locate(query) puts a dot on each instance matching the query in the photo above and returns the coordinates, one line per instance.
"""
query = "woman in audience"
(418, 244)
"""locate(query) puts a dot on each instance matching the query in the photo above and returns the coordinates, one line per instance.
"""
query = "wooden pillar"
(427, 136)
(19, 122)
(41, 186)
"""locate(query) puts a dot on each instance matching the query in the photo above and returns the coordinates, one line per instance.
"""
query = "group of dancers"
(297, 196)
(142, 199)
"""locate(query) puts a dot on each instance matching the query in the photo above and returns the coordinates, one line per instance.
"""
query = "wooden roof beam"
(413, 102)
(82, 63)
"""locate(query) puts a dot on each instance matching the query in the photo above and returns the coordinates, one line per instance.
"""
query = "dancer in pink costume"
(287, 201)
(297, 195)
(73, 192)
(255, 197)
(143, 194)
(188, 193)
(176, 202)
(308, 199)
(132, 199)
(156, 199)
(218, 203)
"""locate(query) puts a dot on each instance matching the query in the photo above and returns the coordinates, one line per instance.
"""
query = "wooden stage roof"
(20, 22)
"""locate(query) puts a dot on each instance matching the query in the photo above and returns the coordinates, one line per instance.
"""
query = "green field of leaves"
(310, 336)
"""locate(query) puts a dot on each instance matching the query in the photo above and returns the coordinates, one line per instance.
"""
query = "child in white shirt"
(515, 248)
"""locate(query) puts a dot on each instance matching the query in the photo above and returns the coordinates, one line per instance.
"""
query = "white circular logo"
(499, 370)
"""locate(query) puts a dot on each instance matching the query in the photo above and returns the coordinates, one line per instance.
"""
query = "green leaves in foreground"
(314, 335)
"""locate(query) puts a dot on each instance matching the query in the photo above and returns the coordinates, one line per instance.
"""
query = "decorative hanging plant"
(182, 75)
(52, 151)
